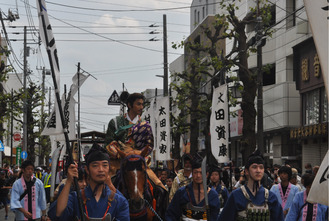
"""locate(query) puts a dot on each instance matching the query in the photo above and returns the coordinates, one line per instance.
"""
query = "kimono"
(285, 200)
(220, 189)
(238, 202)
(184, 196)
(299, 209)
(35, 199)
(118, 129)
(118, 207)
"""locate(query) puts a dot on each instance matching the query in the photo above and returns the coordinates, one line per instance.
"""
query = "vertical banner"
(163, 130)
(219, 130)
(47, 36)
(55, 128)
(149, 115)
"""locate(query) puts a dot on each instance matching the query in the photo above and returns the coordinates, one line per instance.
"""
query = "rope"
(153, 211)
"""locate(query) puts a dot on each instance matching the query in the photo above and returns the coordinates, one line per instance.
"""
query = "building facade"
(290, 105)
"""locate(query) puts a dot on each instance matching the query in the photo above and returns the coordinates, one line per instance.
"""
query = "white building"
(282, 104)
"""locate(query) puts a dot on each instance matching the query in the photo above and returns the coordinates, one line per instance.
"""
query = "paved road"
(11, 215)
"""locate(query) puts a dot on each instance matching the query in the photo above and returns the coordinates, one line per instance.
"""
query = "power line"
(92, 41)
(129, 10)
(123, 18)
(111, 39)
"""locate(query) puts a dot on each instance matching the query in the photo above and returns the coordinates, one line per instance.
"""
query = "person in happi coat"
(215, 182)
(99, 201)
(28, 198)
(285, 191)
(301, 210)
(252, 201)
(189, 203)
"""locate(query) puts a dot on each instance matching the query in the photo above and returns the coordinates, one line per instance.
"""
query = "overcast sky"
(109, 38)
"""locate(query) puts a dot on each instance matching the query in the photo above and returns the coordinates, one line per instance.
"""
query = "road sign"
(23, 155)
(2, 148)
(17, 137)
(18, 156)
(114, 99)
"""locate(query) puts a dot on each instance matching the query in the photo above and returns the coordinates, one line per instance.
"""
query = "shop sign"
(309, 131)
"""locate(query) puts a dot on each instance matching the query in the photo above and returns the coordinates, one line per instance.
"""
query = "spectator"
(302, 210)
(164, 176)
(168, 185)
(285, 191)
(28, 198)
(315, 170)
(308, 168)
(4, 190)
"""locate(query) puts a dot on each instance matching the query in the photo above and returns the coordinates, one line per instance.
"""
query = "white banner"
(319, 189)
(163, 130)
(149, 116)
(47, 37)
(54, 124)
(219, 130)
(317, 13)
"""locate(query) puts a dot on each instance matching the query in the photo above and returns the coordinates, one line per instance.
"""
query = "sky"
(109, 38)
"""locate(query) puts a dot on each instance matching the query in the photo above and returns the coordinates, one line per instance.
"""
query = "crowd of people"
(242, 193)
(84, 190)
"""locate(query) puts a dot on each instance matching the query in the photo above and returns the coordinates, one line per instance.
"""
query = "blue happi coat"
(119, 208)
(238, 202)
(181, 198)
(296, 209)
(39, 196)
(293, 190)
(222, 191)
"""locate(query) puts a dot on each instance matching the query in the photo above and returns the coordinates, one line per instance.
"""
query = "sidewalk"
(11, 215)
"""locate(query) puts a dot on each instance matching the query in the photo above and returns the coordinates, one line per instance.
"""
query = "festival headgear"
(187, 157)
(142, 135)
(27, 163)
(287, 170)
(196, 164)
(96, 153)
(214, 169)
(255, 157)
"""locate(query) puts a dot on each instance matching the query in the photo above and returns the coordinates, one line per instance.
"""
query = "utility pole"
(79, 132)
(49, 103)
(25, 96)
(42, 123)
(260, 125)
(165, 57)
(11, 126)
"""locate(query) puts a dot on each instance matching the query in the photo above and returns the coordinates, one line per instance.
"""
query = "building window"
(311, 107)
(203, 13)
(324, 109)
(268, 145)
(198, 17)
(195, 16)
(207, 7)
(291, 13)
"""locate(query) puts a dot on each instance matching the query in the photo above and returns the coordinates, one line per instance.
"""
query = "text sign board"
(23, 155)
(18, 156)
